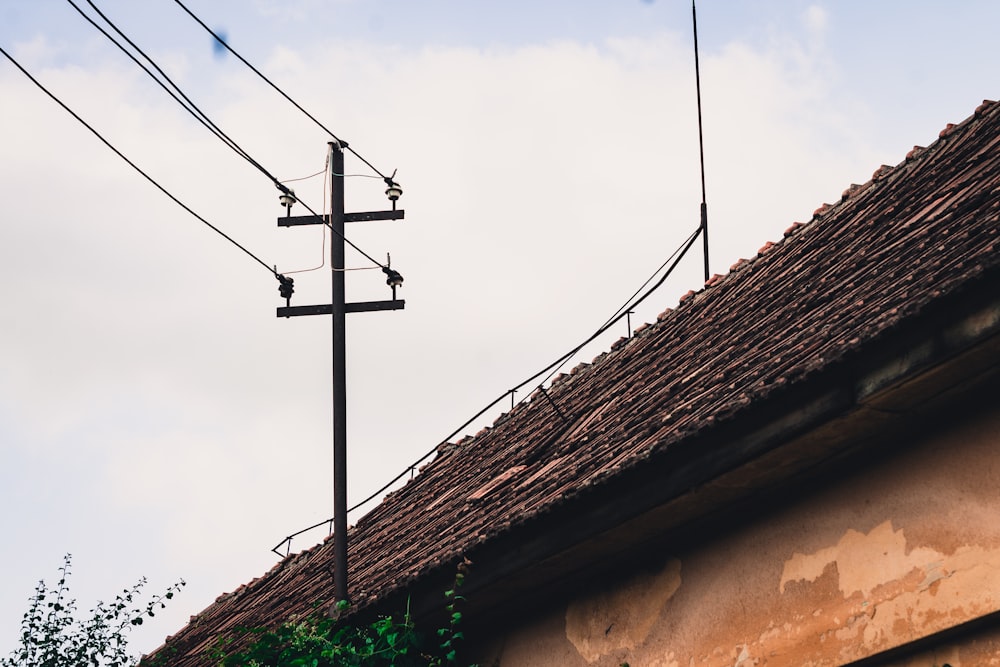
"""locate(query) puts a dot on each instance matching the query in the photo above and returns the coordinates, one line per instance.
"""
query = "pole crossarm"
(327, 309)
(367, 216)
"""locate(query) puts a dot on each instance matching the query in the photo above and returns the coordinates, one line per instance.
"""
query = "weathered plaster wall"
(899, 550)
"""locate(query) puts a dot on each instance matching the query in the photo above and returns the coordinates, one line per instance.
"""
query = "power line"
(186, 102)
(198, 114)
(256, 71)
(322, 263)
(133, 165)
(304, 178)
(673, 260)
(676, 256)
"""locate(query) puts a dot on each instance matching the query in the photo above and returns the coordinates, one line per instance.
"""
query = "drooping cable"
(303, 178)
(629, 305)
(134, 166)
(676, 256)
(256, 71)
(322, 253)
(673, 260)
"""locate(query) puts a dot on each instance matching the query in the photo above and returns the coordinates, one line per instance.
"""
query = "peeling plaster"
(864, 562)
(599, 624)
(896, 592)
(875, 561)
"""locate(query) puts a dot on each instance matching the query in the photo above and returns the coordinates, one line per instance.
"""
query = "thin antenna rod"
(701, 142)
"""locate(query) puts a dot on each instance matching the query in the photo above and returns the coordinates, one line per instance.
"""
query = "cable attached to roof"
(675, 258)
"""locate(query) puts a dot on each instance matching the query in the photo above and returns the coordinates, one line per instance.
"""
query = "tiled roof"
(914, 236)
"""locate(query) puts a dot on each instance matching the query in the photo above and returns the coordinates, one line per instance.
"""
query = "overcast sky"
(157, 419)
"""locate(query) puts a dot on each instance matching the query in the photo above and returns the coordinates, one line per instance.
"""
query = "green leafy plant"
(52, 636)
(317, 641)
(320, 641)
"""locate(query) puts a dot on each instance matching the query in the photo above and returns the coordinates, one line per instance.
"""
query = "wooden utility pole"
(339, 309)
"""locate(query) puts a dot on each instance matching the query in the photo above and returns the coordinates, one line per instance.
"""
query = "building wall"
(900, 549)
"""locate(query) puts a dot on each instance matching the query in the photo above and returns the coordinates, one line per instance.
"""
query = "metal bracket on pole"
(327, 309)
(299, 220)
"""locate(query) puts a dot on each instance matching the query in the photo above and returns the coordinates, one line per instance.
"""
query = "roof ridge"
(853, 191)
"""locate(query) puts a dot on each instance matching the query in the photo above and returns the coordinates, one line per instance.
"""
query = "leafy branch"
(52, 636)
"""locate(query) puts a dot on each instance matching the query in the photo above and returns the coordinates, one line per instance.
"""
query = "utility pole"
(339, 373)
(339, 309)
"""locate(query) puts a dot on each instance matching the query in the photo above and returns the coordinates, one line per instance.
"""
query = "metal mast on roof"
(339, 309)
(701, 142)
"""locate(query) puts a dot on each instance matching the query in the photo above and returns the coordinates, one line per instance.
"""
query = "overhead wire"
(676, 256)
(281, 92)
(133, 164)
(203, 118)
(322, 253)
(558, 363)
(630, 304)
(186, 102)
(304, 178)
(673, 260)
(324, 227)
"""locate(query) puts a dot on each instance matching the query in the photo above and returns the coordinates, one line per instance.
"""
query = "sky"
(158, 420)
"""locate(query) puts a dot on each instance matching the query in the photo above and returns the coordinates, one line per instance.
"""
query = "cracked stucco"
(623, 617)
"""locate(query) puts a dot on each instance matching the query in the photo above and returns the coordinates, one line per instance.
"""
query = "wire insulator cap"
(393, 192)
(393, 278)
(286, 288)
(287, 198)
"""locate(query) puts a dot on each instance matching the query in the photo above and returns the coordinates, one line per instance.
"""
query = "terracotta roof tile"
(821, 210)
(766, 248)
(915, 235)
(743, 262)
(796, 226)
(881, 172)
